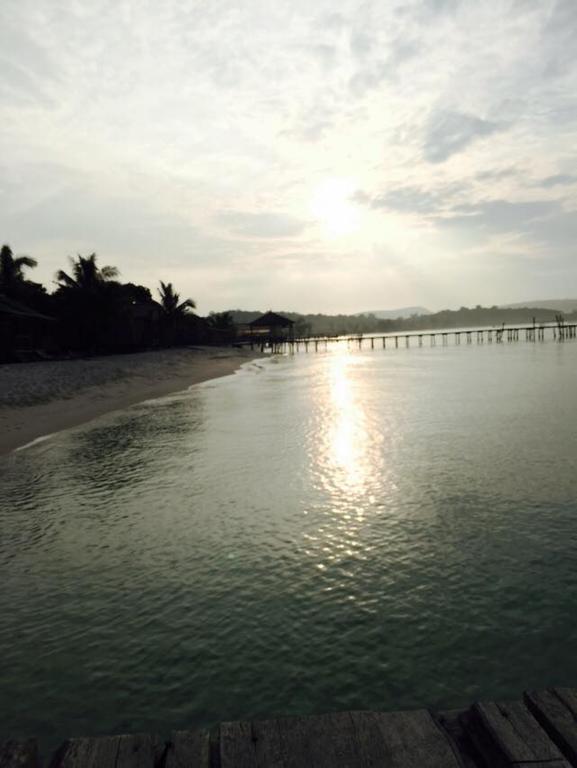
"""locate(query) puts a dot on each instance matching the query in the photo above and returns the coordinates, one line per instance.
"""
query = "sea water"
(342, 530)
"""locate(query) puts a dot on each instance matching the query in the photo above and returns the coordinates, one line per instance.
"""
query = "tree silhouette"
(170, 301)
(86, 274)
(87, 302)
(222, 321)
(175, 313)
(12, 268)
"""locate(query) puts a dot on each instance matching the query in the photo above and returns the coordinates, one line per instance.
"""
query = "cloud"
(325, 54)
(498, 174)
(559, 179)
(448, 133)
(361, 43)
(265, 225)
(502, 215)
(414, 199)
(20, 87)
(196, 133)
(558, 39)
(331, 21)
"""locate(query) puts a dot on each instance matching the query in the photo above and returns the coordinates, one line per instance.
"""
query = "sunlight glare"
(333, 207)
(348, 439)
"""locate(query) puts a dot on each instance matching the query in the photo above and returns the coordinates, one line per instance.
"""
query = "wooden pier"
(538, 731)
(531, 333)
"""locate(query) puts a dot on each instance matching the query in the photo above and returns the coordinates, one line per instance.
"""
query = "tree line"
(92, 312)
(465, 317)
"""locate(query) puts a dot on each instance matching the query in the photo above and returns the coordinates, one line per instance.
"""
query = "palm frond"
(186, 304)
(25, 261)
(65, 279)
(109, 273)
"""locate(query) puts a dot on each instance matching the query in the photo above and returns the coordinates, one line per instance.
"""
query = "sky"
(307, 156)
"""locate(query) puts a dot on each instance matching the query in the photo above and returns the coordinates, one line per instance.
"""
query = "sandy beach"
(38, 399)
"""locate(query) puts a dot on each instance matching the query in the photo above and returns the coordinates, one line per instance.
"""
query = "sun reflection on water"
(348, 467)
(347, 440)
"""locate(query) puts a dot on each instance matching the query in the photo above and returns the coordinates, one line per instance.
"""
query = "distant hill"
(392, 314)
(419, 318)
(561, 305)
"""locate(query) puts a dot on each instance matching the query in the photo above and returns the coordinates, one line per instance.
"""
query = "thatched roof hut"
(271, 320)
(271, 327)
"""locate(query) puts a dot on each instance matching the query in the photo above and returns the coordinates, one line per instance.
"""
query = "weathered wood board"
(342, 740)
(136, 751)
(451, 722)
(538, 732)
(508, 734)
(188, 749)
(19, 754)
(556, 710)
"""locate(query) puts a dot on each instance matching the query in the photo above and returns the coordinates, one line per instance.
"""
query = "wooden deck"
(539, 731)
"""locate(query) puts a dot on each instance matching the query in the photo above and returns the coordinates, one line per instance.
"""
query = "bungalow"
(271, 327)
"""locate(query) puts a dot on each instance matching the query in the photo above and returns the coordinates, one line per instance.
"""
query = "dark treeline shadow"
(92, 312)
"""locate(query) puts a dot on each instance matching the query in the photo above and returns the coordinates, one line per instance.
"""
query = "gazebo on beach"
(272, 327)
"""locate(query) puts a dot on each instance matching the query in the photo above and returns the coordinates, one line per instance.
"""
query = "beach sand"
(38, 399)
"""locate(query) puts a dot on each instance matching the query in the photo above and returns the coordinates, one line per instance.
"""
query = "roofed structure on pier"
(272, 326)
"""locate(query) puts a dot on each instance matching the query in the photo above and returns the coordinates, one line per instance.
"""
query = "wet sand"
(38, 399)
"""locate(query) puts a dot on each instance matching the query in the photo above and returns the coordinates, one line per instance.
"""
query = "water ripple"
(335, 531)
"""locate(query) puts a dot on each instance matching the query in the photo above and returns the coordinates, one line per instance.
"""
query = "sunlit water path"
(336, 531)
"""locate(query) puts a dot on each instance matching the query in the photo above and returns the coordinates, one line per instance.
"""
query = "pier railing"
(531, 333)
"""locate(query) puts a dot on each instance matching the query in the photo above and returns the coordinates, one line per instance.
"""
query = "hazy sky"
(318, 155)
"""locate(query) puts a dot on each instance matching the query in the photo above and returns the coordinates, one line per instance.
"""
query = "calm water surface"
(348, 530)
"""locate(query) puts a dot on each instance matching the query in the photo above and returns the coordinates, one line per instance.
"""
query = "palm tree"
(87, 304)
(222, 321)
(176, 314)
(86, 274)
(170, 301)
(12, 268)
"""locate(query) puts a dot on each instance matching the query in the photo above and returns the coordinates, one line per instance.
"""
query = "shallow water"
(335, 531)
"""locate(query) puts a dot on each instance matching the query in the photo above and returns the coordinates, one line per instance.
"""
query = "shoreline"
(39, 400)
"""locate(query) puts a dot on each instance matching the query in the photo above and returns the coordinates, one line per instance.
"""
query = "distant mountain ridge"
(561, 305)
(392, 314)
(420, 318)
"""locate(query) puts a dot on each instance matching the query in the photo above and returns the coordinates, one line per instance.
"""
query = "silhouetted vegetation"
(336, 325)
(92, 312)
(223, 325)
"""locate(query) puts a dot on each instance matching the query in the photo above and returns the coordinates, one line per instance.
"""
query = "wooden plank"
(19, 754)
(319, 740)
(188, 749)
(507, 733)
(236, 745)
(341, 740)
(137, 751)
(405, 740)
(556, 710)
(451, 722)
(87, 753)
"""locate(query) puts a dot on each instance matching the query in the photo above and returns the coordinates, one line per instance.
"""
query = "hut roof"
(271, 320)
(9, 306)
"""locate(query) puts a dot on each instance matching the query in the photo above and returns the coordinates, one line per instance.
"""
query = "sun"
(332, 206)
